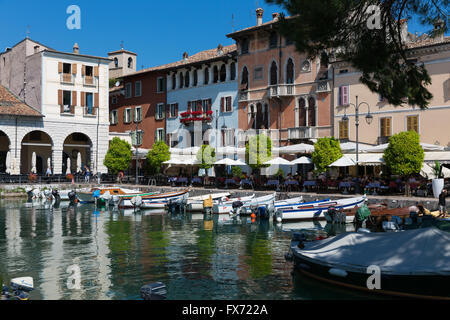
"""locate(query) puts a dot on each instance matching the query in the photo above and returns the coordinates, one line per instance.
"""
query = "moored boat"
(410, 263)
(196, 203)
(315, 210)
(224, 207)
(153, 201)
(87, 195)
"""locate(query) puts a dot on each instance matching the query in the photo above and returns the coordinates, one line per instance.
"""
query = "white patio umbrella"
(8, 162)
(49, 163)
(68, 166)
(279, 161)
(239, 162)
(33, 162)
(302, 160)
(226, 161)
(294, 149)
(79, 162)
(343, 162)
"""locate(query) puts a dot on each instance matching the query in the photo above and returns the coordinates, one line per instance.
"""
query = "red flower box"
(197, 113)
(209, 112)
(185, 114)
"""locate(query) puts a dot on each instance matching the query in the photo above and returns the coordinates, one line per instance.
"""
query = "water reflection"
(197, 256)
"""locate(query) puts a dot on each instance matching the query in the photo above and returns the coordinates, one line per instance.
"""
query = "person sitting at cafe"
(442, 204)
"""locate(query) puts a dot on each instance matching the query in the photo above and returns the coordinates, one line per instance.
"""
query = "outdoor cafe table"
(374, 186)
(345, 185)
(290, 183)
(197, 180)
(229, 181)
(246, 182)
(182, 180)
(310, 184)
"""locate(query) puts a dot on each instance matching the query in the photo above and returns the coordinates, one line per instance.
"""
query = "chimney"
(76, 49)
(259, 16)
(275, 16)
(185, 56)
(438, 31)
(36, 49)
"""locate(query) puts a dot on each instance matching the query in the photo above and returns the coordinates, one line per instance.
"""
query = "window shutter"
(74, 98)
(83, 99)
(163, 113)
(345, 95)
(176, 109)
(209, 104)
(156, 135)
(60, 97)
(222, 102)
(189, 107)
(229, 106)
(60, 67)
(388, 127)
(96, 100)
(83, 70)
(95, 71)
(74, 68)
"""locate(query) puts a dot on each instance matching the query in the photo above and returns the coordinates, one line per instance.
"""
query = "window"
(116, 63)
(206, 75)
(187, 79)
(67, 68)
(311, 112)
(114, 100)
(223, 73)
(195, 78)
(67, 100)
(160, 136)
(159, 113)
(289, 42)
(290, 71)
(302, 112)
(89, 103)
(244, 78)
(412, 123)
(343, 129)
(140, 136)
(273, 40)
(130, 63)
(244, 46)
(273, 73)
(128, 90)
(226, 104)
(138, 114)
(228, 137)
(114, 117)
(181, 80)
(206, 105)
(138, 89)
(258, 73)
(173, 110)
(343, 95)
(233, 71)
(127, 115)
(174, 81)
(216, 74)
(89, 71)
(385, 127)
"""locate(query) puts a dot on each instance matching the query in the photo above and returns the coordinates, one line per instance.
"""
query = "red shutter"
(96, 100)
(229, 108)
(189, 107)
(222, 102)
(83, 99)
(176, 109)
(60, 97)
(209, 104)
(74, 98)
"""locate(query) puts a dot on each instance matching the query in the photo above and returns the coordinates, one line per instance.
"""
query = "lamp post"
(369, 119)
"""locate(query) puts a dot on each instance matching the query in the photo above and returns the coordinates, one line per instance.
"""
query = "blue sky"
(158, 31)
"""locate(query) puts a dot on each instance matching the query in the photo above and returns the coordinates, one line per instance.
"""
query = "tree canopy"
(369, 35)
(206, 156)
(157, 155)
(404, 155)
(326, 151)
(258, 150)
(118, 157)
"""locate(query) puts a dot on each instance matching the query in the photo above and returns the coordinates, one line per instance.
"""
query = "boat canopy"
(423, 251)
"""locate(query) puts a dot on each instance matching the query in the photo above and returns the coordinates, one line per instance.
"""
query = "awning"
(302, 160)
(343, 162)
(427, 171)
(351, 147)
(425, 147)
(279, 161)
(294, 149)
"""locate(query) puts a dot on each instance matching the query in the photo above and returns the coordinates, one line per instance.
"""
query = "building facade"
(387, 120)
(202, 103)
(280, 90)
(70, 90)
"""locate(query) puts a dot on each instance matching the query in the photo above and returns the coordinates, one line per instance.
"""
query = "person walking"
(442, 205)
(87, 175)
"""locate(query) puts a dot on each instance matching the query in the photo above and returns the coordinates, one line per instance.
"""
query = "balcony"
(67, 78)
(90, 111)
(302, 133)
(190, 117)
(383, 140)
(323, 86)
(243, 96)
(67, 110)
(89, 81)
(281, 90)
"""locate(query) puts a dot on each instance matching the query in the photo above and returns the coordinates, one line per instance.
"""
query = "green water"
(198, 257)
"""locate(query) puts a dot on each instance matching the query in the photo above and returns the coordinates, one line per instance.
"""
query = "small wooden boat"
(196, 203)
(315, 210)
(409, 264)
(87, 195)
(153, 201)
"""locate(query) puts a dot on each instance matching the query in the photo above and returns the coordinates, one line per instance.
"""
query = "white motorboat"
(155, 201)
(225, 207)
(196, 203)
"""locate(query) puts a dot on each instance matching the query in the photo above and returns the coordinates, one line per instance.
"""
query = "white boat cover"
(423, 251)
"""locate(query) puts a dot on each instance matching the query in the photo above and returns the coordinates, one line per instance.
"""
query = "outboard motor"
(72, 197)
(330, 214)
(154, 291)
(56, 196)
(29, 194)
(262, 213)
(21, 287)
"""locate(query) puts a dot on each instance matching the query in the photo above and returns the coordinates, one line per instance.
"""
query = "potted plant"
(438, 181)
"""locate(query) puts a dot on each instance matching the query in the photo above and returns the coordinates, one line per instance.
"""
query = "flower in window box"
(185, 114)
(196, 113)
(209, 112)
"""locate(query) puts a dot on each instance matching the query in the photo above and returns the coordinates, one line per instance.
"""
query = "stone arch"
(75, 143)
(39, 142)
(5, 146)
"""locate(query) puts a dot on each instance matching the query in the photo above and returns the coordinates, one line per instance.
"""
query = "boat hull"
(154, 201)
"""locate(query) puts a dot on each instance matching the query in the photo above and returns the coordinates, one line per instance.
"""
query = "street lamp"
(369, 120)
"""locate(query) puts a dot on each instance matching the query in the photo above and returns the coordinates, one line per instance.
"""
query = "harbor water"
(86, 253)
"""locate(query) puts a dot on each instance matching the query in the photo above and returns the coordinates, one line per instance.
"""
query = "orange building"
(280, 90)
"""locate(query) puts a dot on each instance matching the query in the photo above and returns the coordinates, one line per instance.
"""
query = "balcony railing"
(281, 90)
(90, 111)
(67, 78)
(89, 81)
(193, 116)
(68, 110)
(302, 133)
(243, 96)
(323, 86)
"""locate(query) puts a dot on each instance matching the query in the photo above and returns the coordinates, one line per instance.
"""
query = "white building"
(71, 91)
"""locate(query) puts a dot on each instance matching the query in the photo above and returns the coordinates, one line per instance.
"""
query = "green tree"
(118, 157)
(159, 153)
(258, 150)
(354, 31)
(326, 151)
(404, 156)
(206, 156)
(237, 171)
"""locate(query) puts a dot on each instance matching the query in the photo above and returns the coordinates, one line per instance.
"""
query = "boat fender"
(338, 272)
